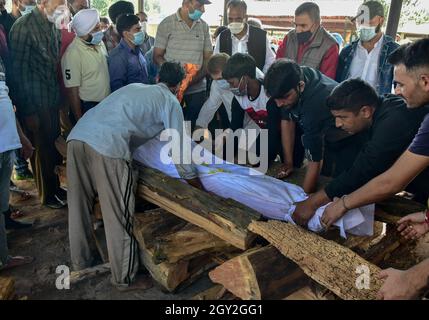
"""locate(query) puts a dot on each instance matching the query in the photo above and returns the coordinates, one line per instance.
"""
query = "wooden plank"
(175, 252)
(7, 288)
(225, 218)
(89, 273)
(325, 261)
(213, 293)
(259, 273)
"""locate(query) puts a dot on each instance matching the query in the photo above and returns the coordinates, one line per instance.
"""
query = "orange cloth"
(191, 71)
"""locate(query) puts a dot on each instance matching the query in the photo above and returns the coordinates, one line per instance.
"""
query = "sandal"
(24, 194)
(15, 213)
(17, 261)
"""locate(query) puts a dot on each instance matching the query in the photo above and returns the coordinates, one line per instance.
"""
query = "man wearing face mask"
(19, 8)
(111, 37)
(84, 64)
(366, 58)
(309, 44)
(185, 37)
(35, 41)
(244, 38)
(148, 41)
(126, 62)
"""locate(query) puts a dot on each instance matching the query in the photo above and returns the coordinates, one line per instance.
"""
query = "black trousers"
(192, 106)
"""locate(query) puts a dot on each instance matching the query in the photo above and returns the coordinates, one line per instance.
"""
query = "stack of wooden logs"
(7, 288)
(193, 232)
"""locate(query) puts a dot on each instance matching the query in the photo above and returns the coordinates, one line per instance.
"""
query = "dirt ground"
(48, 242)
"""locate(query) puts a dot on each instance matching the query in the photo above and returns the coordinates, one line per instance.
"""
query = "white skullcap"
(85, 21)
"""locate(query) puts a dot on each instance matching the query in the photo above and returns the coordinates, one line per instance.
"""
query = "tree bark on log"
(328, 263)
(225, 218)
(259, 273)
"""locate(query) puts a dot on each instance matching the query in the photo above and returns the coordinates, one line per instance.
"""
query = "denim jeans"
(6, 161)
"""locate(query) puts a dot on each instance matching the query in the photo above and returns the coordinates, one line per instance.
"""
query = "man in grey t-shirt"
(99, 156)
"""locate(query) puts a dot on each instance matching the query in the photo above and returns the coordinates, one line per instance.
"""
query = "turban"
(85, 21)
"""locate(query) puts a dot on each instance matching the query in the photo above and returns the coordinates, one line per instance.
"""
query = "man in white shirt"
(12, 138)
(366, 58)
(244, 38)
(99, 157)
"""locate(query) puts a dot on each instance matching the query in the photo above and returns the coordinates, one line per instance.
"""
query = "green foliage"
(411, 11)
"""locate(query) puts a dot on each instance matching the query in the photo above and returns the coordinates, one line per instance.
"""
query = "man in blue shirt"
(126, 62)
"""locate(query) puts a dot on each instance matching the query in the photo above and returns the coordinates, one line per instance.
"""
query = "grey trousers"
(114, 180)
(6, 164)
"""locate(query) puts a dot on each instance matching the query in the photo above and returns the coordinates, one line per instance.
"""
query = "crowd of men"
(358, 115)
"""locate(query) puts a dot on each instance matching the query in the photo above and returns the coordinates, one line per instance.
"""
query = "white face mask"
(236, 27)
(60, 17)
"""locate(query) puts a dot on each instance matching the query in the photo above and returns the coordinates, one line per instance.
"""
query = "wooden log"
(225, 218)
(7, 288)
(174, 251)
(213, 293)
(88, 273)
(259, 273)
(325, 261)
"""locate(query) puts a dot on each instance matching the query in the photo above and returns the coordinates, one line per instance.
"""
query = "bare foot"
(17, 262)
(142, 282)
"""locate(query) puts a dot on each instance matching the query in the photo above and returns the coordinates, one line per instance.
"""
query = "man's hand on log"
(398, 285)
(413, 226)
(304, 211)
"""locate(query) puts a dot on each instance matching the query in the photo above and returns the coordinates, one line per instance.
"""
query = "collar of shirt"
(125, 45)
(42, 20)
(164, 86)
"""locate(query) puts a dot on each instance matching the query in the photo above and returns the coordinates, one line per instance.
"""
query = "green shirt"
(35, 47)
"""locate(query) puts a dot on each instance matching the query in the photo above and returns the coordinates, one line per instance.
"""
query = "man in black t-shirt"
(411, 75)
(389, 127)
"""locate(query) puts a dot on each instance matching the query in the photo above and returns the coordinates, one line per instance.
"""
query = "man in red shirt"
(309, 44)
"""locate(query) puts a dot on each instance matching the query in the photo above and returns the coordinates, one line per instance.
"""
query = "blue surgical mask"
(97, 37)
(195, 15)
(222, 84)
(27, 10)
(237, 92)
(367, 33)
(138, 38)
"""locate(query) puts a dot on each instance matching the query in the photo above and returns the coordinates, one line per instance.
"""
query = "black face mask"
(303, 37)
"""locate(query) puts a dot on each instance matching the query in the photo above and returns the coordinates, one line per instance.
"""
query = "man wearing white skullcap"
(84, 64)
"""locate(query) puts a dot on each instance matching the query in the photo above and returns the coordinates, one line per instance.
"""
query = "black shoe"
(55, 203)
(62, 194)
(11, 224)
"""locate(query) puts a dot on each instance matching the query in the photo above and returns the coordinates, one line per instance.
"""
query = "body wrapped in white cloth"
(271, 197)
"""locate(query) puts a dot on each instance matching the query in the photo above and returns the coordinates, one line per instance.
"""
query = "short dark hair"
(118, 8)
(237, 4)
(171, 73)
(282, 76)
(352, 95)
(125, 22)
(413, 55)
(310, 8)
(105, 20)
(217, 62)
(239, 65)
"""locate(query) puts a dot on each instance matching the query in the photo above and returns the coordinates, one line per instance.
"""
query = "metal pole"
(394, 16)
(225, 13)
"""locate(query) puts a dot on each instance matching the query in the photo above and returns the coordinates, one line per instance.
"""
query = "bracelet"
(344, 202)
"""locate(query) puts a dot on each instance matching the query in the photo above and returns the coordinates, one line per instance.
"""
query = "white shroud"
(271, 197)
